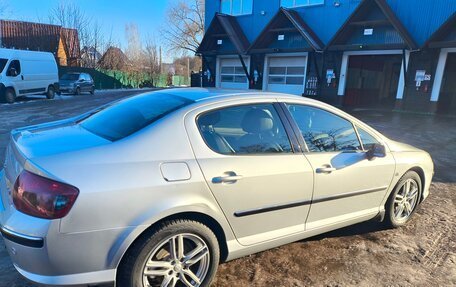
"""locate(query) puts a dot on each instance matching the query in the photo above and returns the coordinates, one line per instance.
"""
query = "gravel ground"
(421, 254)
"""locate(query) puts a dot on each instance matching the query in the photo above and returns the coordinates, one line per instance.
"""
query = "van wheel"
(10, 96)
(177, 253)
(92, 91)
(78, 91)
(404, 200)
(50, 93)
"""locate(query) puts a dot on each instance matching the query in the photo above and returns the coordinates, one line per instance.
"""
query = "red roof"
(39, 37)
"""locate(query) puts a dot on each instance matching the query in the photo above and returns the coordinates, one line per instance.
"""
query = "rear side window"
(247, 129)
(131, 115)
(324, 131)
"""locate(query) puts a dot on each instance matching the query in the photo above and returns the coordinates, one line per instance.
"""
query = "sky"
(113, 15)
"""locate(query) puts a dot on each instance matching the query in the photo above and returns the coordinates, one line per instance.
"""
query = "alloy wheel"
(406, 200)
(179, 260)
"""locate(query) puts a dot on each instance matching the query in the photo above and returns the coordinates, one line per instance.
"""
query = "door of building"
(447, 98)
(286, 75)
(372, 81)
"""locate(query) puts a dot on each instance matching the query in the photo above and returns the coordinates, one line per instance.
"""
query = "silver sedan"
(157, 189)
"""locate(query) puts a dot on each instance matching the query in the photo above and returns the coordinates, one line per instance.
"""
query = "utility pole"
(160, 60)
(188, 69)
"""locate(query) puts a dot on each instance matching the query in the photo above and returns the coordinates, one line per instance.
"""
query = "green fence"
(109, 79)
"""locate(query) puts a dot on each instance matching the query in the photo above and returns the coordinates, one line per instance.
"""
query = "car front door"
(348, 186)
(263, 187)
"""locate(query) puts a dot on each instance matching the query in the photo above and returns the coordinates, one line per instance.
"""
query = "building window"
(233, 74)
(236, 7)
(298, 3)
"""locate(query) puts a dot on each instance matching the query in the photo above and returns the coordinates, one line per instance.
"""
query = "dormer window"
(236, 7)
(300, 3)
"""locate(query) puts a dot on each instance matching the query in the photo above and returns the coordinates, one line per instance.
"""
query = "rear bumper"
(43, 255)
(81, 279)
(25, 240)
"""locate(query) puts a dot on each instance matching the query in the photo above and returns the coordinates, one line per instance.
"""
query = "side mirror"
(377, 150)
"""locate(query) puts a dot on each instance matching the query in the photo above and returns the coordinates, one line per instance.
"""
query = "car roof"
(205, 94)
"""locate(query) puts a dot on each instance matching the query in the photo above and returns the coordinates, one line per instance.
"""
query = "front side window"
(324, 131)
(131, 115)
(247, 129)
(366, 138)
(14, 68)
(297, 3)
(236, 7)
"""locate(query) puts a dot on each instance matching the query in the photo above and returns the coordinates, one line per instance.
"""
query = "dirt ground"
(421, 254)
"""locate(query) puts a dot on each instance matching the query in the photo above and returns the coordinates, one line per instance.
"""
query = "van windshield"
(131, 115)
(70, 77)
(3, 64)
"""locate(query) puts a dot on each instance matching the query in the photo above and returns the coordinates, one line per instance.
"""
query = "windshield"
(131, 115)
(3, 64)
(70, 77)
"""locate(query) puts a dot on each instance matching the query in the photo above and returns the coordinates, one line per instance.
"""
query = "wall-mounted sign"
(368, 32)
(281, 37)
(427, 77)
(329, 76)
(219, 42)
(420, 75)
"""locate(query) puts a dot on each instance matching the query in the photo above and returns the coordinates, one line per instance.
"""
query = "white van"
(27, 72)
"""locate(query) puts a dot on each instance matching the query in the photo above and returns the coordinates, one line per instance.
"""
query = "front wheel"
(50, 93)
(404, 200)
(10, 96)
(77, 92)
(178, 253)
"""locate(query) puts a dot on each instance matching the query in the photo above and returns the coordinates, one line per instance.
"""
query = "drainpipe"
(244, 66)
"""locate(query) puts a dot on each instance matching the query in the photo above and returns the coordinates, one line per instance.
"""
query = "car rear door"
(347, 186)
(249, 160)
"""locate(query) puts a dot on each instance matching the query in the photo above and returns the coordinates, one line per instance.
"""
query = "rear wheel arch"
(202, 218)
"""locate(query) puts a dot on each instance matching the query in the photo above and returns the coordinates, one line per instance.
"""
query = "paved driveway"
(421, 254)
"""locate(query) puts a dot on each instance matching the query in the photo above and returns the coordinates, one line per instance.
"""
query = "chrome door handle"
(227, 177)
(326, 169)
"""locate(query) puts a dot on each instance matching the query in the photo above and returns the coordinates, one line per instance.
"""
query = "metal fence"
(110, 79)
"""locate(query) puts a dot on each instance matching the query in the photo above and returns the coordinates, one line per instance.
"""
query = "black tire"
(77, 92)
(92, 91)
(391, 219)
(50, 94)
(130, 271)
(10, 96)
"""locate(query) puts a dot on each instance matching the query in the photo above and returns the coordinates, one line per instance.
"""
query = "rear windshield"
(129, 116)
(71, 77)
(3, 64)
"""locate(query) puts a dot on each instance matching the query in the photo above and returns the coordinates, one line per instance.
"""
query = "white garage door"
(232, 75)
(286, 74)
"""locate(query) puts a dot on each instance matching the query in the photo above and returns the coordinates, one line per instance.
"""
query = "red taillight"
(42, 197)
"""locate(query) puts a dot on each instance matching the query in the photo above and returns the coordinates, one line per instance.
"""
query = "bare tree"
(69, 15)
(184, 25)
(151, 58)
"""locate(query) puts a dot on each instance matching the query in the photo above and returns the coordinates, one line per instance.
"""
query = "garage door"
(286, 75)
(232, 75)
